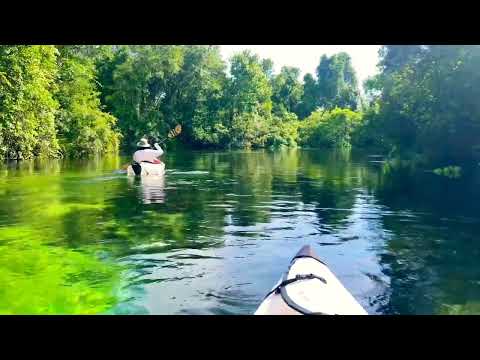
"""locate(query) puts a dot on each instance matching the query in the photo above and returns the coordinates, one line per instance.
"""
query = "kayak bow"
(309, 288)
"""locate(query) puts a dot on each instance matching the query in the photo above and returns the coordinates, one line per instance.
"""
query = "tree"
(428, 104)
(106, 61)
(373, 88)
(139, 90)
(332, 128)
(267, 66)
(309, 101)
(249, 88)
(195, 94)
(249, 100)
(27, 107)
(337, 82)
(335, 86)
(72, 96)
(83, 129)
(395, 57)
(287, 91)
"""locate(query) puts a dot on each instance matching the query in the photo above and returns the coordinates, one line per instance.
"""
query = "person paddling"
(145, 153)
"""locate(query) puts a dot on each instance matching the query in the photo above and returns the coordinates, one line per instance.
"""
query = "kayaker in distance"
(146, 155)
(145, 152)
(145, 159)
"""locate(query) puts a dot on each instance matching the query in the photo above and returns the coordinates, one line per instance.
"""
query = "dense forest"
(78, 101)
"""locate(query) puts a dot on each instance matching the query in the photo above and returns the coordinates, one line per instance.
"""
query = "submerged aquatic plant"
(453, 172)
(40, 279)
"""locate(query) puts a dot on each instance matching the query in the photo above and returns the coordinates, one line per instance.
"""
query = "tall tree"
(82, 127)
(249, 87)
(395, 57)
(195, 95)
(250, 102)
(309, 101)
(287, 90)
(106, 61)
(336, 82)
(139, 90)
(267, 66)
(27, 106)
(429, 105)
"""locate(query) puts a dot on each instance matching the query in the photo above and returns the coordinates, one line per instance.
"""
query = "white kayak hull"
(309, 288)
(148, 169)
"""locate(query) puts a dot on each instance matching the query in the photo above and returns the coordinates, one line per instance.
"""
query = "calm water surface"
(215, 234)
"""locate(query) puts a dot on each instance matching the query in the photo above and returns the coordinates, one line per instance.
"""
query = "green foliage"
(332, 128)
(395, 57)
(106, 61)
(337, 82)
(82, 128)
(27, 107)
(140, 90)
(152, 88)
(49, 105)
(283, 131)
(211, 132)
(197, 97)
(335, 86)
(248, 129)
(67, 99)
(373, 89)
(267, 66)
(309, 101)
(370, 134)
(428, 101)
(287, 91)
(249, 101)
(249, 89)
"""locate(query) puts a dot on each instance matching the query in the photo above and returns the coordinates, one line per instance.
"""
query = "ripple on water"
(194, 172)
(219, 239)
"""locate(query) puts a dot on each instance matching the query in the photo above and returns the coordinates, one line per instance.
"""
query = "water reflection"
(151, 188)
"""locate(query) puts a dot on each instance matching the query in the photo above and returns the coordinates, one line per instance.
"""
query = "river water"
(216, 233)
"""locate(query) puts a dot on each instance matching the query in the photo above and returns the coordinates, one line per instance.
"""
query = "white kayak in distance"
(309, 288)
(146, 169)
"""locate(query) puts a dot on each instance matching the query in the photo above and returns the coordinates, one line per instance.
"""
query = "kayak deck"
(309, 288)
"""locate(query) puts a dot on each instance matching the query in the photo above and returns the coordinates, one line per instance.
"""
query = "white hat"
(143, 143)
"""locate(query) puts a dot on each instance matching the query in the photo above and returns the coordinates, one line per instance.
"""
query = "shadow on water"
(215, 233)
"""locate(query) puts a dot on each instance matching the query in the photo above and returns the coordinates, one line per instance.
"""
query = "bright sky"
(307, 57)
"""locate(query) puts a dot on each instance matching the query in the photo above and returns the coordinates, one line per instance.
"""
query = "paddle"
(172, 133)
